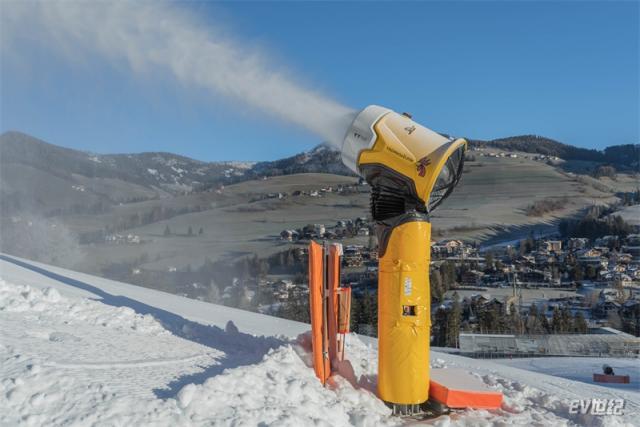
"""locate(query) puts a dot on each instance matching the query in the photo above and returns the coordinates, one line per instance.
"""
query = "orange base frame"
(329, 306)
(321, 364)
(457, 388)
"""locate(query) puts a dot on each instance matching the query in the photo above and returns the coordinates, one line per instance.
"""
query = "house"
(623, 280)
(604, 308)
(352, 256)
(534, 276)
(592, 257)
(577, 243)
(289, 235)
(552, 245)
(363, 231)
(542, 259)
(608, 241)
(472, 278)
(630, 313)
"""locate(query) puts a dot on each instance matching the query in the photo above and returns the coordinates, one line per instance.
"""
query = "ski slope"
(81, 350)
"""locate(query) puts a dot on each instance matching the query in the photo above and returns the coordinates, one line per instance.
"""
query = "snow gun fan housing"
(411, 170)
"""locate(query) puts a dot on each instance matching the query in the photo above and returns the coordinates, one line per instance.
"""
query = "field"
(246, 218)
(631, 214)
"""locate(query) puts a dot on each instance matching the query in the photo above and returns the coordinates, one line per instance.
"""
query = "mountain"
(321, 159)
(623, 156)
(125, 355)
(326, 159)
(44, 178)
(540, 145)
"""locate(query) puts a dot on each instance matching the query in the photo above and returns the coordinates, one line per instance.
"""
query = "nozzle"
(361, 135)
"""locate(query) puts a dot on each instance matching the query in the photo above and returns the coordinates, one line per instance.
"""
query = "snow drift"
(79, 350)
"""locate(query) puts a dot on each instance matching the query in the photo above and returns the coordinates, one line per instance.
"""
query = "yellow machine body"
(404, 315)
(411, 170)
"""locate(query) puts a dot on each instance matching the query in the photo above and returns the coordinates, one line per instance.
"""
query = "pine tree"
(514, 320)
(356, 313)
(556, 321)
(213, 294)
(490, 321)
(437, 291)
(566, 319)
(488, 261)
(578, 273)
(439, 329)
(579, 323)
(453, 324)
(370, 311)
(543, 323)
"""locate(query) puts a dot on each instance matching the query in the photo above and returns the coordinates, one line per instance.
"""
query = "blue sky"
(565, 70)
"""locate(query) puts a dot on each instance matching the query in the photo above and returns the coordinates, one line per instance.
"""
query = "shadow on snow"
(239, 349)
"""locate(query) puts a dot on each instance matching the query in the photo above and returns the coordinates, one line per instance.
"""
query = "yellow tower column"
(404, 317)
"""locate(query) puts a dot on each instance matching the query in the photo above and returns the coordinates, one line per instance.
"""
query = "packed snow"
(581, 368)
(81, 350)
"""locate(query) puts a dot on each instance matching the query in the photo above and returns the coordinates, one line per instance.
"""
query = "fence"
(594, 345)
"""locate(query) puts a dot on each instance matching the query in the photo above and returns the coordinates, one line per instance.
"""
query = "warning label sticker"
(407, 286)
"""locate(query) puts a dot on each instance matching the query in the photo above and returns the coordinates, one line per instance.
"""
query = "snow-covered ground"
(580, 368)
(81, 350)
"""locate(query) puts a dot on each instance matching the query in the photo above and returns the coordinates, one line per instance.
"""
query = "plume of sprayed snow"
(151, 35)
(40, 239)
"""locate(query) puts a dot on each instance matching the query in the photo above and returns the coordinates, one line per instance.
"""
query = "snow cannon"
(411, 170)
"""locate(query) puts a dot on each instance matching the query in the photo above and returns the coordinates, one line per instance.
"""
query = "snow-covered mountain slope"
(81, 350)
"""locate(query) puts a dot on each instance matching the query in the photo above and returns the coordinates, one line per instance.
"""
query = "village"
(561, 283)
(576, 284)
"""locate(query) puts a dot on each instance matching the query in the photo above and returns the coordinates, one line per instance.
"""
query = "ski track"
(77, 350)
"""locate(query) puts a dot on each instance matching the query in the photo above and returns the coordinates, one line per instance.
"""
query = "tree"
(579, 323)
(488, 261)
(437, 290)
(542, 320)
(167, 231)
(453, 324)
(591, 272)
(356, 313)
(291, 260)
(213, 294)
(370, 310)
(602, 171)
(244, 301)
(489, 320)
(515, 322)
(578, 273)
(448, 272)
(373, 242)
(440, 328)
(566, 319)
(532, 325)
(556, 321)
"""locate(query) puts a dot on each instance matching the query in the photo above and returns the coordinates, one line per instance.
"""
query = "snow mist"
(151, 35)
